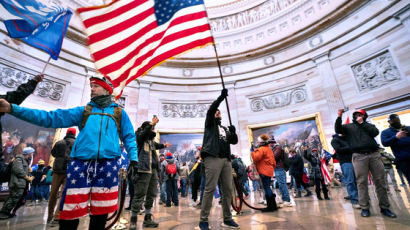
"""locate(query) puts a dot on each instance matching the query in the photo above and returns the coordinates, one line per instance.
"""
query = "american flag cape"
(325, 171)
(128, 38)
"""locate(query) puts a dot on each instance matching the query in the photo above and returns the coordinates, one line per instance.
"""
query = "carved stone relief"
(184, 110)
(12, 78)
(375, 72)
(279, 99)
(250, 16)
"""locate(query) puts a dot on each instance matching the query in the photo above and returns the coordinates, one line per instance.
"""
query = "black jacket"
(314, 159)
(342, 148)
(61, 153)
(212, 144)
(296, 165)
(147, 155)
(18, 96)
(359, 136)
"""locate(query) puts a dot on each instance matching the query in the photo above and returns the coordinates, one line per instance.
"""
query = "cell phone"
(154, 116)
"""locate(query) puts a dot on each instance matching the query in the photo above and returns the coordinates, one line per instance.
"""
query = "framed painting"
(184, 143)
(293, 133)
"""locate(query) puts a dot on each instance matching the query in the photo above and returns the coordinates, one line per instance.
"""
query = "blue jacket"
(400, 147)
(99, 137)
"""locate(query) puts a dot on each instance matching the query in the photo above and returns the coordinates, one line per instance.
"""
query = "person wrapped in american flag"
(318, 172)
(92, 173)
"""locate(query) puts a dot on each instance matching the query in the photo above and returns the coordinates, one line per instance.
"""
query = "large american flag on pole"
(127, 38)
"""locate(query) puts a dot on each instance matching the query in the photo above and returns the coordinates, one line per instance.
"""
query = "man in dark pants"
(360, 136)
(296, 170)
(216, 153)
(397, 137)
(344, 154)
(61, 153)
(145, 173)
(316, 173)
(18, 180)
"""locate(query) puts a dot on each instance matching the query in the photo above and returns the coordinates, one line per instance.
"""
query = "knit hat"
(40, 162)
(28, 150)
(392, 117)
(169, 155)
(103, 82)
(72, 131)
(272, 140)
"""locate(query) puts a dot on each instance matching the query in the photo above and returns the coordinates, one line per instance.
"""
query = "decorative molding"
(375, 71)
(279, 99)
(11, 78)
(251, 16)
(184, 110)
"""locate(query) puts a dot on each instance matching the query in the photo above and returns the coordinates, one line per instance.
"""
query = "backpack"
(5, 172)
(117, 117)
(241, 169)
(253, 172)
(49, 176)
(171, 169)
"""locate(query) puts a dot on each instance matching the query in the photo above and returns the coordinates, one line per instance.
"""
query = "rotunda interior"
(288, 66)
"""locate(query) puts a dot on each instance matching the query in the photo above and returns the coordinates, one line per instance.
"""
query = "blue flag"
(39, 25)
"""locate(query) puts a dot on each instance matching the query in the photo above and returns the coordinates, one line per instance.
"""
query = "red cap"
(314, 149)
(71, 131)
(101, 83)
(360, 111)
(169, 154)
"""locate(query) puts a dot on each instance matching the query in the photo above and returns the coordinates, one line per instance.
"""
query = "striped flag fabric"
(325, 171)
(128, 38)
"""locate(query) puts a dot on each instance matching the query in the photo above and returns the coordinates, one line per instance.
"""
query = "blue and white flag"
(39, 25)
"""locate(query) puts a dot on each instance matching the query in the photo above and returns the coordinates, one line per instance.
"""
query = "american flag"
(128, 38)
(325, 171)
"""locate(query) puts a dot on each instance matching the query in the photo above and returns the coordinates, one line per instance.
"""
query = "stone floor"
(309, 213)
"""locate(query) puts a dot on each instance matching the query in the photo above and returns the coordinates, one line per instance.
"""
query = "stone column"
(330, 87)
(143, 101)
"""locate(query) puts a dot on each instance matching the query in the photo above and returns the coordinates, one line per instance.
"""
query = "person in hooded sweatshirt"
(360, 136)
(145, 173)
(170, 171)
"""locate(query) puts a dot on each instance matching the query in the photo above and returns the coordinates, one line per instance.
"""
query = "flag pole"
(44, 69)
(222, 80)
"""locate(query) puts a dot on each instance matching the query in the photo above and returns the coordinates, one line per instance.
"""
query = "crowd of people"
(85, 169)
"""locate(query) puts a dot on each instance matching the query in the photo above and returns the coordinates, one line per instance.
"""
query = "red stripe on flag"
(104, 196)
(77, 198)
(103, 210)
(73, 214)
(112, 14)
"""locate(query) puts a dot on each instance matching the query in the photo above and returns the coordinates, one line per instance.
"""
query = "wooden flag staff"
(44, 69)
(223, 83)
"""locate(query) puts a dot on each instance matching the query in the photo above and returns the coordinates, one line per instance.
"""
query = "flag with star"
(128, 38)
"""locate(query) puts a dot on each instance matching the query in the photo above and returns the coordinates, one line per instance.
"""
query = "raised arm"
(23, 91)
(214, 106)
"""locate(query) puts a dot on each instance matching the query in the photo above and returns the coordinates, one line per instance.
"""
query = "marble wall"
(356, 61)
